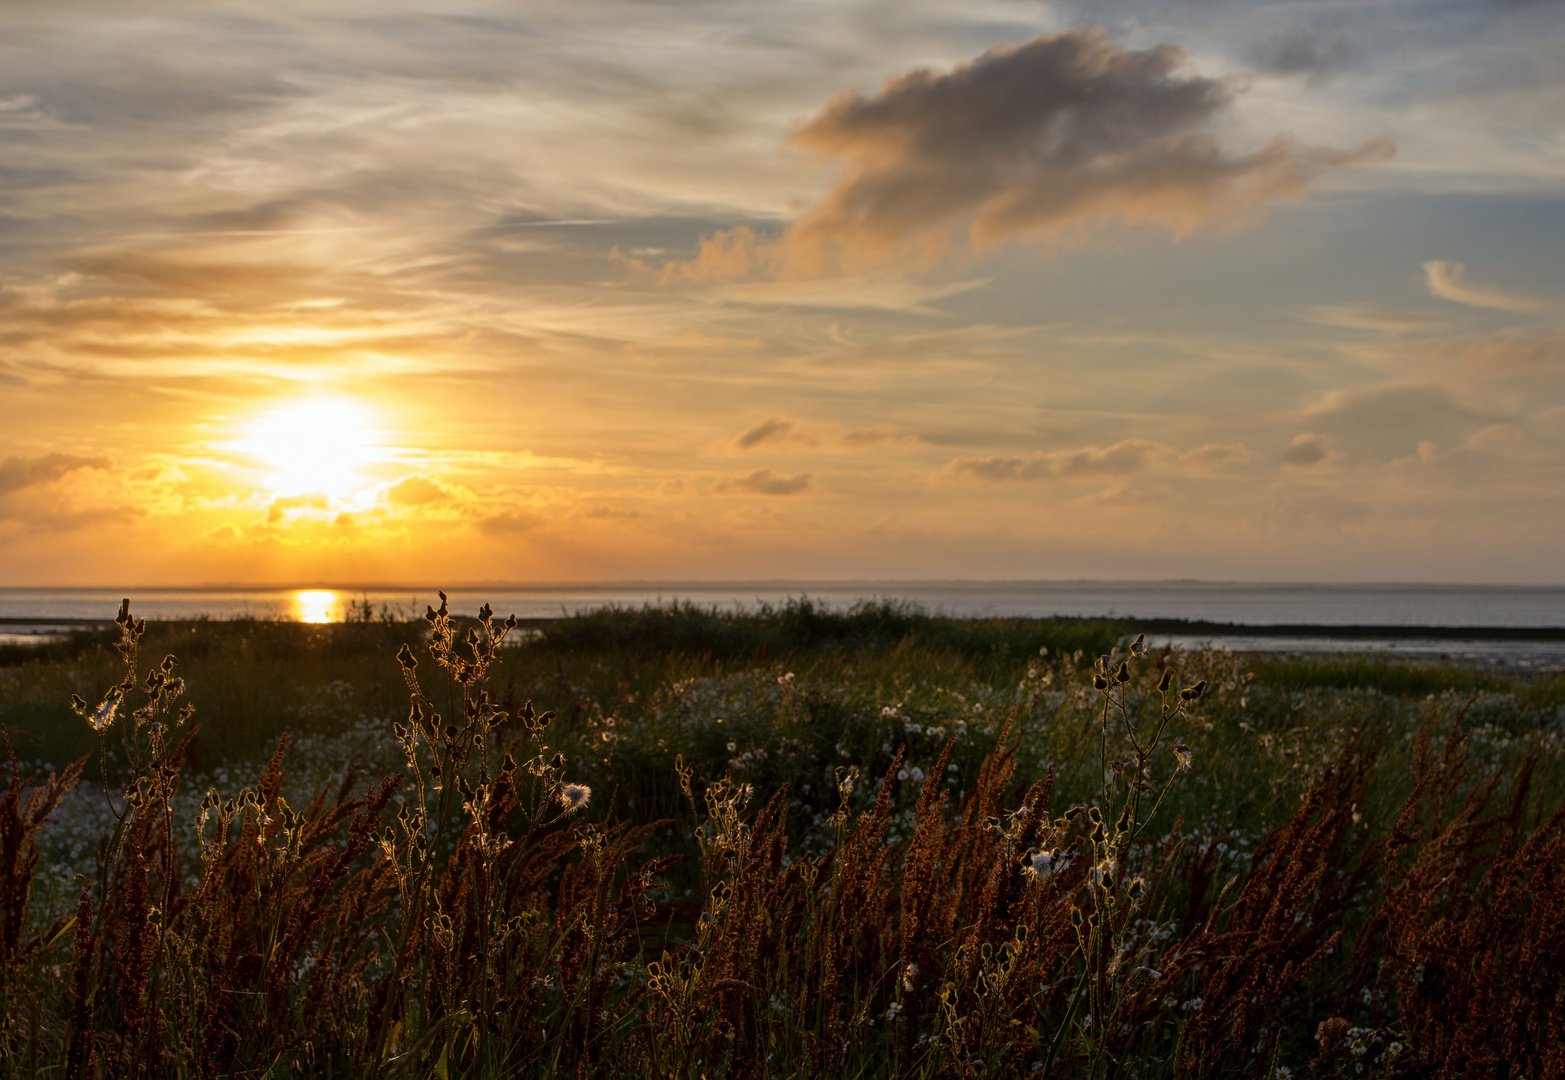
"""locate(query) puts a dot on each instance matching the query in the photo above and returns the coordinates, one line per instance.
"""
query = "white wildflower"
(1042, 865)
(104, 714)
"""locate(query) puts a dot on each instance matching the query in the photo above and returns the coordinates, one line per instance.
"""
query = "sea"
(1491, 625)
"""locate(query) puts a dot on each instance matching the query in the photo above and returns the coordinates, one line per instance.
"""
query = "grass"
(802, 854)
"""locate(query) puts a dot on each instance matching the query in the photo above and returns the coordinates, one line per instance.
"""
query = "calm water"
(1410, 606)
(1248, 604)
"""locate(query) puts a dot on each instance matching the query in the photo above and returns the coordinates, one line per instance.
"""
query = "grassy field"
(680, 843)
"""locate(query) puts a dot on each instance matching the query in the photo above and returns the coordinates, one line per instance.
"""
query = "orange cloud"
(772, 429)
(20, 472)
(1215, 455)
(1128, 456)
(415, 491)
(1305, 450)
(766, 482)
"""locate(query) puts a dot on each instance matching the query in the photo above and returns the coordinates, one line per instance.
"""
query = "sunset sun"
(317, 445)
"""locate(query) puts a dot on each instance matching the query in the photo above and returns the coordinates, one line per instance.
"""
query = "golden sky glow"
(399, 292)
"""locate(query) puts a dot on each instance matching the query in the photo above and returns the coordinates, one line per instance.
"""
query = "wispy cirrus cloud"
(1448, 280)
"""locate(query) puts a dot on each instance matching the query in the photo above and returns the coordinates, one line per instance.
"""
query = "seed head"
(1099, 683)
(1166, 680)
(1182, 755)
(1138, 646)
(1123, 674)
(1040, 866)
(574, 796)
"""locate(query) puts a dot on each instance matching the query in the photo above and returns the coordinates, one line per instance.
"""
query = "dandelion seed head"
(574, 796)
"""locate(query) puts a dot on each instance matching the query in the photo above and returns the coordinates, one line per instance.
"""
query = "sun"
(314, 446)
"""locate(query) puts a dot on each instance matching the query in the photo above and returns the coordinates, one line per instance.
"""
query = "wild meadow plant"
(484, 912)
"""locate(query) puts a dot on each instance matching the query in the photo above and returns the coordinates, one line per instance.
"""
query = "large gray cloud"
(1067, 130)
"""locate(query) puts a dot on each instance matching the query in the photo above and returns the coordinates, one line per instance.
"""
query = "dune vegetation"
(791, 842)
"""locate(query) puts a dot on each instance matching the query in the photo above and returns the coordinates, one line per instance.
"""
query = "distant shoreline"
(1183, 627)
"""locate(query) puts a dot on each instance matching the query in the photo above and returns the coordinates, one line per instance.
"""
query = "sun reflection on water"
(314, 605)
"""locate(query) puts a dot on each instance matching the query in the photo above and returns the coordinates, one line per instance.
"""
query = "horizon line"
(774, 583)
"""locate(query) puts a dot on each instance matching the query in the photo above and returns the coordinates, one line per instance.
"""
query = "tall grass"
(876, 846)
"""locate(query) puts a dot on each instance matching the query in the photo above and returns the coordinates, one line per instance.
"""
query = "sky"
(375, 291)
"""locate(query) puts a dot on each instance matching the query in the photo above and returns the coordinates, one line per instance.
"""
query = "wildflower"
(104, 714)
(574, 796)
(1041, 866)
(917, 774)
(902, 774)
(1182, 755)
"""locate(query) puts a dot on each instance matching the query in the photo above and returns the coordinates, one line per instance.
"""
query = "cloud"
(1312, 51)
(507, 523)
(312, 501)
(1128, 456)
(1503, 353)
(1388, 421)
(1215, 456)
(415, 491)
(776, 429)
(1367, 317)
(1305, 450)
(1499, 439)
(20, 472)
(1447, 280)
(766, 482)
(879, 435)
(1066, 132)
(772, 429)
